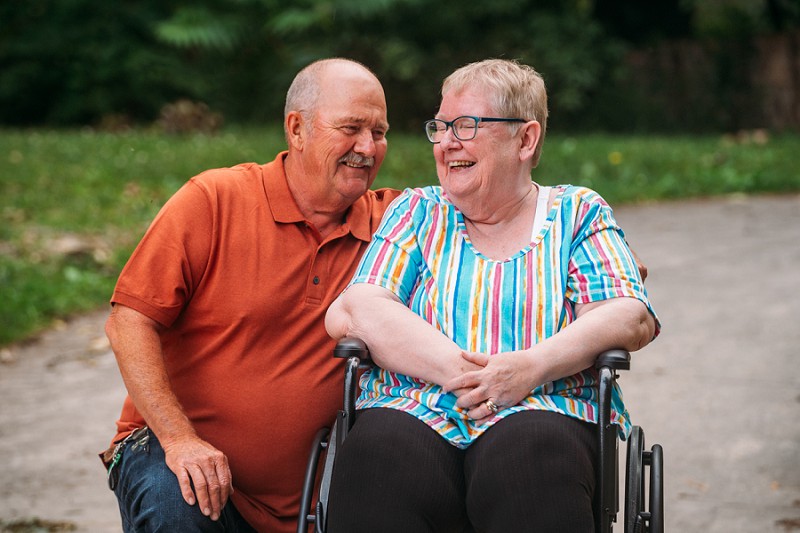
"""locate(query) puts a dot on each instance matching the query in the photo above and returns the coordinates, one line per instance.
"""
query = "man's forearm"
(137, 347)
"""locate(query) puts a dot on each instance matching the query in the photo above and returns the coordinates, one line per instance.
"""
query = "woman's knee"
(531, 468)
(393, 469)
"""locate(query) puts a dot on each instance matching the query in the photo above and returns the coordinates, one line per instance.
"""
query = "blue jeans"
(150, 499)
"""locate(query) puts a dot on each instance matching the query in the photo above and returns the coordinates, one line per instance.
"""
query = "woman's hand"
(505, 380)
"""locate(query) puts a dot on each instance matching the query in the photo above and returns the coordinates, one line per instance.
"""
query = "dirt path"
(60, 395)
(720, 389)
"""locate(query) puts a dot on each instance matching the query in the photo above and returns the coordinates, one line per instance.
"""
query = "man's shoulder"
(223, 175)
(243, 179)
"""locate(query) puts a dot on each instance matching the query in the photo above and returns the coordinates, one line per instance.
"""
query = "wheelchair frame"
(641, 465)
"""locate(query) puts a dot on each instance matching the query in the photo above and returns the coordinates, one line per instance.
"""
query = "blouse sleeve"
(393, 258)
(601, 264)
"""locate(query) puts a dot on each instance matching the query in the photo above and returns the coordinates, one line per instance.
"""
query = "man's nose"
(365, 143)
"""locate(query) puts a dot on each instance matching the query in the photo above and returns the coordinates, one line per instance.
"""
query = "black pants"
(532, 472)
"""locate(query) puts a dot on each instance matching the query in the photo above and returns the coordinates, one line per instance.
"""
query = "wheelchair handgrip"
(614, 359)
(351, 347)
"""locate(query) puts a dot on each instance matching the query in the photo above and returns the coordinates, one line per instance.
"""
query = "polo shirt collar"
(284, 208)
(358, 219)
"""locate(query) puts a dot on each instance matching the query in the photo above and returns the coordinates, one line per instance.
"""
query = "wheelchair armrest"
(614, 359)
(352, 347)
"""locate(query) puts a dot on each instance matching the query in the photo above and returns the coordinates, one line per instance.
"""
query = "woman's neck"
(501, 232)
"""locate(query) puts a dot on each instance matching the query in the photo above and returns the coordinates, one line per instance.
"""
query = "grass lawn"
(75, 203)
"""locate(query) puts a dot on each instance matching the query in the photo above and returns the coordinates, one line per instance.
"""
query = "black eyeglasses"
(464, 128)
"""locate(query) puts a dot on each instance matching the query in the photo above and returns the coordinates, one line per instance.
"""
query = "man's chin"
(364, 174)
(355, 170)
(353, 187)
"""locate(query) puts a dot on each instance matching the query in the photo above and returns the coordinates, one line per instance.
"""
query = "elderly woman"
(484, 303)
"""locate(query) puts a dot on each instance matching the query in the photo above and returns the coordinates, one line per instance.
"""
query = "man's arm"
(136, 343)
(639, 264)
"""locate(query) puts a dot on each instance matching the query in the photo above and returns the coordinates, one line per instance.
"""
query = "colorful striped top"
(423, 254)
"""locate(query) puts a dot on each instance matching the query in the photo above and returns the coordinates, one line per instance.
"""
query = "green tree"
(411, 44)
(73, 61)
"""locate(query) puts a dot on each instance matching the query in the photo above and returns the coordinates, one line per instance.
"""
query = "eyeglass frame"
(448, 125)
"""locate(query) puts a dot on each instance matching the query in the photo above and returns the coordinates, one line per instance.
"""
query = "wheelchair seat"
(644, 468)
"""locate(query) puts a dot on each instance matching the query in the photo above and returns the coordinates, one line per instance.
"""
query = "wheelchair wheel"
(305, 517)
(634, 483)
(655, 460)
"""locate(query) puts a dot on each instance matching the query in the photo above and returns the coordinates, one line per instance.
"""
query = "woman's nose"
(449, 139)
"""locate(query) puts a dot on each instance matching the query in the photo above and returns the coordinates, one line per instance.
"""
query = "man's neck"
(319, 207)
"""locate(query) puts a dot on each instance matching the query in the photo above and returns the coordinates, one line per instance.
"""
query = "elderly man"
(217, 319)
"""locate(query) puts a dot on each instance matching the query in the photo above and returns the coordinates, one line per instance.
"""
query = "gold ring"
(491, 405)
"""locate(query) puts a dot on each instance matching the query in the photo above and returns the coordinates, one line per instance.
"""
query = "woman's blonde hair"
(516, 90)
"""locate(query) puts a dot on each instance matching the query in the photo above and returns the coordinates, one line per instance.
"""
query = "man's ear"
(295, 130)
(531, 135)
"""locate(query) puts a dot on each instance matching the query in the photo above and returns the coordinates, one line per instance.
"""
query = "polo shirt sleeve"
(393, 258)
(166, 267)
(601, 265)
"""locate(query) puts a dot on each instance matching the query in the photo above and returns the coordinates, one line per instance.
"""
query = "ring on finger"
(491, 406)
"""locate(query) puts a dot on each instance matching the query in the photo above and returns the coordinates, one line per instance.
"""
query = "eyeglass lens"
(464, 128)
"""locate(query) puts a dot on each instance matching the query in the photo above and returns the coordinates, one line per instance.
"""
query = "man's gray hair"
(303, 93)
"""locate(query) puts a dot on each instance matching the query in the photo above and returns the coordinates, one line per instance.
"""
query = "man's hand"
(640, 265)
(137, 346)
(198, 464)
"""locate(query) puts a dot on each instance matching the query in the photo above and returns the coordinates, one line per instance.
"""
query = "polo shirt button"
(316, 280)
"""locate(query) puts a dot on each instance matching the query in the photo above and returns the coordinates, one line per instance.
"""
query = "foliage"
(194, 26)
(412, 45)
(73, 204)
(86, 62)
(629, 169)
(96, 192)
(68, 62)
(36, 525)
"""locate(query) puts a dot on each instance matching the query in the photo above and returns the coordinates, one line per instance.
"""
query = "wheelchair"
(644, 468)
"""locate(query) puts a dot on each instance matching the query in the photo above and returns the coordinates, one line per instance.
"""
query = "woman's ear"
(531, 135)
(295, 130)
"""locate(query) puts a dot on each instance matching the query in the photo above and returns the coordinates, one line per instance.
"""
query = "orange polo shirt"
(241, 281)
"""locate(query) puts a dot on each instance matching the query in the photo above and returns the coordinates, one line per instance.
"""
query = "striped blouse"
(423, 254)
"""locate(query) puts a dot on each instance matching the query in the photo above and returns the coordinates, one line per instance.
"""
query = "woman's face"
(476, 171)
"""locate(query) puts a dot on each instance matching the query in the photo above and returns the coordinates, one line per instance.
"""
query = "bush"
(185, 116)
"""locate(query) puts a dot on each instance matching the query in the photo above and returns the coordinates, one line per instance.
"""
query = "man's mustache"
(353, 158)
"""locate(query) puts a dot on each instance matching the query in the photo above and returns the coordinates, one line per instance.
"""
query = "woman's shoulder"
(585, 207)
(429, 193)
(579, 193)
(422, 197)
(419, 207)
(579, 198)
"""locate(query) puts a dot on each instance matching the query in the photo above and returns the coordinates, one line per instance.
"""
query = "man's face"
(347, 138)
